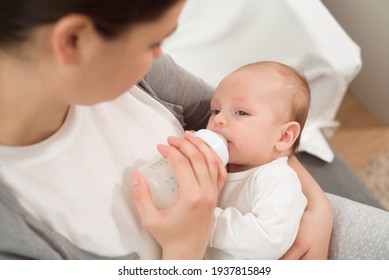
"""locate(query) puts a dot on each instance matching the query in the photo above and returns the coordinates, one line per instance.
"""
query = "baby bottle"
(159, 173)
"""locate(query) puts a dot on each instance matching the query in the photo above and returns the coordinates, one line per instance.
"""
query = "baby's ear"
(288, 135)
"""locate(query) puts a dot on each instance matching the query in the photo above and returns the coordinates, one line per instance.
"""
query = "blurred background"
(363, 136)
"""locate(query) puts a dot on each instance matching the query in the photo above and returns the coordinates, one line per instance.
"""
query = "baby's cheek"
(209, 126)
(239, 152)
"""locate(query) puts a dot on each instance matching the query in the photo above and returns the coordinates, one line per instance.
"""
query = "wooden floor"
(361, 137)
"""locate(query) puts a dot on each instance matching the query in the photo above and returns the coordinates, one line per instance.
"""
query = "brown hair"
(110, 17)
(301, 97)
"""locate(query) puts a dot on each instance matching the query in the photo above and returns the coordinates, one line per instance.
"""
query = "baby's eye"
(241, 113)
(215, 111)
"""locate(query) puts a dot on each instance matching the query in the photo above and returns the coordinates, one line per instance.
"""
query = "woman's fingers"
(215, 166)
(207, 156)
(185, 226)
(196, 159)
(296, 252)
(142, 198)
(182, 230)
(198, 170)
(183, 170)
(205, 163)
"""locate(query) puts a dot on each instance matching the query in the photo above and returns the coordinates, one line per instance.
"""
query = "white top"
(78, 180)
(259, 214)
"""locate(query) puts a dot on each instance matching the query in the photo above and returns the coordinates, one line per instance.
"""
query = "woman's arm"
(314, 234)
(185, 95)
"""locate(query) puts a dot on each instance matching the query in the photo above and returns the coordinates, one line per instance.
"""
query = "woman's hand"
(313, 237)
(183, 229)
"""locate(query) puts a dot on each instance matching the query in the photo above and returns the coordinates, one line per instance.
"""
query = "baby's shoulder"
(277, 168)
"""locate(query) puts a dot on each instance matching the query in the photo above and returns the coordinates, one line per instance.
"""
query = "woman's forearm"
(313, 238)
(311, 189)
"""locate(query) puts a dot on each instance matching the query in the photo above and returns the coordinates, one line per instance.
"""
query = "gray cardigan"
(360, 231)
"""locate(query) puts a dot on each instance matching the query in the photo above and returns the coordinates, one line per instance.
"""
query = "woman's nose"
(157, 52)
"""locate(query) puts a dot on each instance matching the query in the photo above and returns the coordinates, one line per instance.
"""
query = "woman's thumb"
(142, 197)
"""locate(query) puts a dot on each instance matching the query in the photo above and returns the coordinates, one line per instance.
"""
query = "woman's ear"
(289, 133)
(68, 37)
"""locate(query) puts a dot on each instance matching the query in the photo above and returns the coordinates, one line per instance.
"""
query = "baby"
(260, 109)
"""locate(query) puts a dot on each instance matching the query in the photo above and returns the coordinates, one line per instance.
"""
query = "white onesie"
(259, 213)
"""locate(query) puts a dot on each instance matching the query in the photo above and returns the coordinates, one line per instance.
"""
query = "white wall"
(367, 23)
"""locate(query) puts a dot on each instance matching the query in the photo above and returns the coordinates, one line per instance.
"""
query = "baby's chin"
(233, 168)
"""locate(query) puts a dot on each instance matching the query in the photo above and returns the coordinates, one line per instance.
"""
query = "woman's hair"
(110, 17)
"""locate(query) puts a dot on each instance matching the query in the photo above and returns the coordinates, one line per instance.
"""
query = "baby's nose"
(220, 119)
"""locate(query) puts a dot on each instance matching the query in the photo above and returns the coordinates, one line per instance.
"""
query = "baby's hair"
(301, 97)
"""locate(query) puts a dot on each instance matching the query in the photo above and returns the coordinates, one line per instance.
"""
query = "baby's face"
(248, 109)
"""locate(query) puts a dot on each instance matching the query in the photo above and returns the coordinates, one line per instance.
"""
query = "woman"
(70, 140)
(85, 53)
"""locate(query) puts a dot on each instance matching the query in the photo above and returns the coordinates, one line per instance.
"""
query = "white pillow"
(215, 37)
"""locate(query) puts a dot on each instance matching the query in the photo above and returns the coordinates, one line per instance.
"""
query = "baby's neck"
(233, 168)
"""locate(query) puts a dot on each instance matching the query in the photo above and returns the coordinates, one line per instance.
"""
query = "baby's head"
(294, 92)
(261, 109)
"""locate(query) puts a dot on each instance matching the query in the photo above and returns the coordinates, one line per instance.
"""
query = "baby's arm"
(270, 228)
